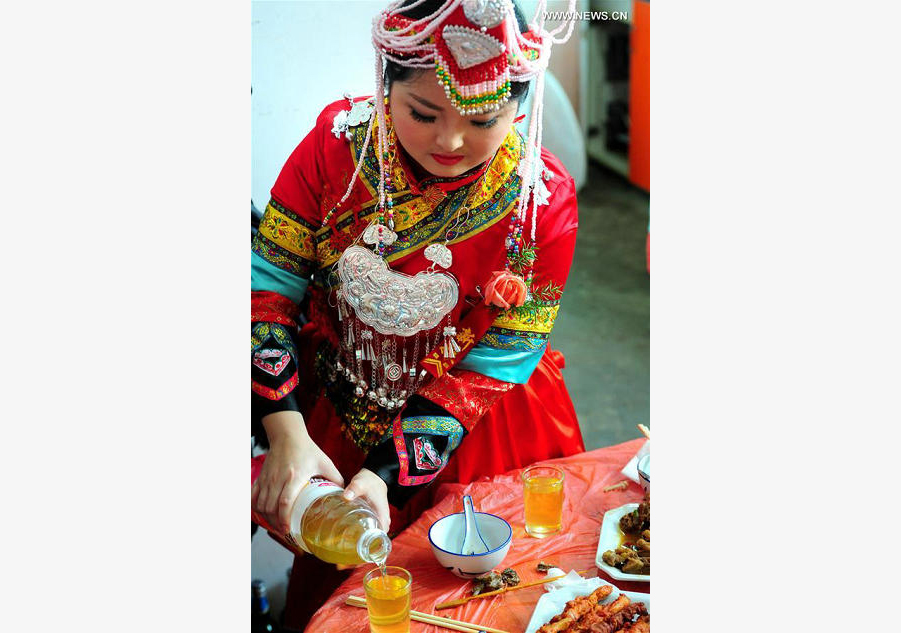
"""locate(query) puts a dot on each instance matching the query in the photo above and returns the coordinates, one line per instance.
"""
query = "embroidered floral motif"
(338, 241)
(428, 228)
(417, 221)
(434, 195)
(281, 257)
(466, 395)
(262, 331)
(540, 319)
(294, 236)
(498, 338)
(436, 425)
(286, 240)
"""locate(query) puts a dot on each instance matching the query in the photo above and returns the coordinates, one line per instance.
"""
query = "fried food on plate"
(586, 615)
(634, 555)
(615, 621)
(575, 609)
(629, 560)
(639, 519)
(641, 625)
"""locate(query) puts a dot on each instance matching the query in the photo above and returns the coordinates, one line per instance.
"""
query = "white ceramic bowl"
(446, 536)
(644, 472)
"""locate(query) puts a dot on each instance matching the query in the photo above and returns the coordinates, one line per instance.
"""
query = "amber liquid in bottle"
(344, 532)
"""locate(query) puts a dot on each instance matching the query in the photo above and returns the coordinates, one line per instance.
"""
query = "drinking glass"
(543, 500)
(388, 599)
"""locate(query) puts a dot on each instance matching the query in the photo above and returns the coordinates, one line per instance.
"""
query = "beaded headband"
(474, 52)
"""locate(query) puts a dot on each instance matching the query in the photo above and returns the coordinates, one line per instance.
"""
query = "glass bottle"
(261, 620)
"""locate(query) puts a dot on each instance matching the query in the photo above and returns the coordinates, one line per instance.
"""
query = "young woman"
(428, 244)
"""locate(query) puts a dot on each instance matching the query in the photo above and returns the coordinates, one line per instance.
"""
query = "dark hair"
(519, 90)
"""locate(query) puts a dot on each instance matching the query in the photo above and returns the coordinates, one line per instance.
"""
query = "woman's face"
(436, 136)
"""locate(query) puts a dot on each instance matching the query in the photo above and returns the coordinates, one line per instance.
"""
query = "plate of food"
(590, 605)
(624, 546)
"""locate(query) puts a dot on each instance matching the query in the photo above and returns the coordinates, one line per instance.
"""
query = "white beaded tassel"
(380, 119)
(413, 50)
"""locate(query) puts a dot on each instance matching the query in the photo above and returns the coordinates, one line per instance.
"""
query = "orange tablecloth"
(573, 548)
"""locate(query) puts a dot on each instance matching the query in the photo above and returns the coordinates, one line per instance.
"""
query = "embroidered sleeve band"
(273, 369)
(513, 346)
(418, 447)
(289, 237)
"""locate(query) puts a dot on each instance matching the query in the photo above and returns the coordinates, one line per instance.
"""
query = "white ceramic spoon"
(472, 543)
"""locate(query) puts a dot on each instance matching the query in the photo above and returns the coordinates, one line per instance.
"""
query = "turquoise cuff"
(507, 365)
(264, 277)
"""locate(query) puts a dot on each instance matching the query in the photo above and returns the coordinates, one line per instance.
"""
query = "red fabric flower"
(505, 289)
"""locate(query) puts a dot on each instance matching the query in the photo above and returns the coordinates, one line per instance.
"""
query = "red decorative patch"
(273, 308)
(272, 368)
(426, 456)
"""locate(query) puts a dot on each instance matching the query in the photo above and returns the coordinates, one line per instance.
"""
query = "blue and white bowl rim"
(499, 547)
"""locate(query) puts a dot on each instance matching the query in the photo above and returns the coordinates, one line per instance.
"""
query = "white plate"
(553, 602)
(610, 539)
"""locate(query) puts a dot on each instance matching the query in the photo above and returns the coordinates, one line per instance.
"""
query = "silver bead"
(400, 403)
(339, 366)
(363, 384)
(402, 394)
(371, 395)
(352, 378)
(383, 401)
(359, 392)
(382, 392)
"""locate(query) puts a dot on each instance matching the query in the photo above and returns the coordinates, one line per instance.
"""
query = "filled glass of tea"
(543, 500)
(388, 599)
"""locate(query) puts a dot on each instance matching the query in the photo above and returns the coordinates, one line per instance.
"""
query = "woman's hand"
(293, 458)
(371, 487)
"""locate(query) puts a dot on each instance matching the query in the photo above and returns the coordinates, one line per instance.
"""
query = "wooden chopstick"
(645, 430)
(437, 620)
(465, 599)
